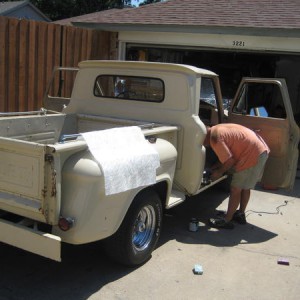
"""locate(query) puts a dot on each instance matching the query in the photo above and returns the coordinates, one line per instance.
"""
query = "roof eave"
(242, 30)
(39, 12)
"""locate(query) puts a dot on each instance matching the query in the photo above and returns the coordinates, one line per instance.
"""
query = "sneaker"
(220, 223)
(239, 217)
(221, 213)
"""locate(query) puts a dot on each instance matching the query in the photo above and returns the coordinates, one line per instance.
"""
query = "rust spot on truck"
(53, 185)
(50, 159)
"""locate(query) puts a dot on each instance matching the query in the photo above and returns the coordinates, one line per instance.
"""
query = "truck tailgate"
(25, 175)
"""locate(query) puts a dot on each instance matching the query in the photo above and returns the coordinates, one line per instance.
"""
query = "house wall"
(216, 41)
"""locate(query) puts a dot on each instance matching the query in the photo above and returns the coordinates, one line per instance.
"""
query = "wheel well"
(161, 189)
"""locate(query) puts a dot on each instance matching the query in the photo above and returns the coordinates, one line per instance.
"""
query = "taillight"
(66, 223)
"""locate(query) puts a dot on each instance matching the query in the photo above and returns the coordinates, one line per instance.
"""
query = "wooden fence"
(29, 51)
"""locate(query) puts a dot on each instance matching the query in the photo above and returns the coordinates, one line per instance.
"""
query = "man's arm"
(219, 170)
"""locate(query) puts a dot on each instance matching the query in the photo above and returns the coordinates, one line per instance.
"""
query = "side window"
(130, 88)
(260, 99)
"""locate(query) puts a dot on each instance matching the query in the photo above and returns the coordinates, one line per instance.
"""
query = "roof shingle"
(233, 13)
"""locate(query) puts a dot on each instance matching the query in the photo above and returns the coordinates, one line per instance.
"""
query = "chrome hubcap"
(144, 228)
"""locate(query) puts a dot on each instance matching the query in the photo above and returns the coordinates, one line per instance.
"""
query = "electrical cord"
(248, 212)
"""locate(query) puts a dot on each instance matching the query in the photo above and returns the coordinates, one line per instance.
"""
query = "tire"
(139, 232)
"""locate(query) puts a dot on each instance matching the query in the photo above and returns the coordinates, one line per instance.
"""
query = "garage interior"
(230, 65)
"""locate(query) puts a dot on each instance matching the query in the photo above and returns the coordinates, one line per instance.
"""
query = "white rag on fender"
(126, 158)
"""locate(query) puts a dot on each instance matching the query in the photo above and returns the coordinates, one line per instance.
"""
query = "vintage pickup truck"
(128, 144)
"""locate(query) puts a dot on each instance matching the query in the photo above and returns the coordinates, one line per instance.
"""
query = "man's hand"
(216, 174)
(221, 169)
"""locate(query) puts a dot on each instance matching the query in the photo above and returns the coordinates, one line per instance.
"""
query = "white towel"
(126, 158)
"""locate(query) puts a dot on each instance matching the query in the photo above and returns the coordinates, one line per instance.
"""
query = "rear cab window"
(129, 88)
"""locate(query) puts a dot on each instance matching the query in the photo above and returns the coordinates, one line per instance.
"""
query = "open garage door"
(230, 65)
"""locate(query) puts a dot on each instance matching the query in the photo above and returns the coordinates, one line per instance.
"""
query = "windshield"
(207, 92)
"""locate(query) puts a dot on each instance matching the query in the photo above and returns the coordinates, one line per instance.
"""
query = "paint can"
(193, 225)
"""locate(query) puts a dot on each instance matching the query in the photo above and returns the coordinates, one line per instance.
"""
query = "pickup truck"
(105, 163)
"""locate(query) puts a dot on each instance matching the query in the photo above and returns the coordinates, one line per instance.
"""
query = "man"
(241, 152)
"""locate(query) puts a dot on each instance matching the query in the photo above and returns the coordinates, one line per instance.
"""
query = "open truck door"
(263, 105)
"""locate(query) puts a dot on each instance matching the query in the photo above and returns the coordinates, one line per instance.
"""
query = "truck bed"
(33, 150)
(44, 127)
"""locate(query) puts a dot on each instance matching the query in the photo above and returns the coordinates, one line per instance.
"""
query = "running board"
(205, 187)
(176, 198)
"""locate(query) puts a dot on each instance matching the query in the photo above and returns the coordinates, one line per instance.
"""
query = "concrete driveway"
(237, 264)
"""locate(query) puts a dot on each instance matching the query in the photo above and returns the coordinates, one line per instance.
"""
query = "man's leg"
(244, 200)
(234, 202)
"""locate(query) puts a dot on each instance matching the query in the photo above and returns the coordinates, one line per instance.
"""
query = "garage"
(232, 38)
(230, 65)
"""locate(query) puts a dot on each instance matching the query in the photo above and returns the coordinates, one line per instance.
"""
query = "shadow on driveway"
(203, 207)
(85, 269)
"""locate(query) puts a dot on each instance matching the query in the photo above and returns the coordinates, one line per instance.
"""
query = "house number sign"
(238, 43)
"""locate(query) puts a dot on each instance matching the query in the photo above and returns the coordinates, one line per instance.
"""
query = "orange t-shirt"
(237, 142)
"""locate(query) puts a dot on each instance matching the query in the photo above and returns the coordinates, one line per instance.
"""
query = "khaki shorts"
(248, 178)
